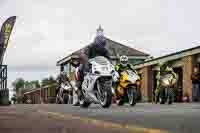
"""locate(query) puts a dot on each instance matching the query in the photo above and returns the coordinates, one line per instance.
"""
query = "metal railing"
(3, 77)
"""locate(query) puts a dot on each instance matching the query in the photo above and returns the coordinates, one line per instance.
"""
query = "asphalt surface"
(179, 118)
(27, 119)
(176, 118)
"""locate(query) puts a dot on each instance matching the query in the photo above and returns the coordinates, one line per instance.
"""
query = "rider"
(123, 65)
(98, 47)
(163, 69)
(95, 49)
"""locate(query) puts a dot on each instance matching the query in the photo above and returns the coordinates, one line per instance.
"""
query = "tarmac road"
(151, 118)
(179, 118)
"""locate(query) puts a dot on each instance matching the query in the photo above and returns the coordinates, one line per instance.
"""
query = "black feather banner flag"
(5, 32)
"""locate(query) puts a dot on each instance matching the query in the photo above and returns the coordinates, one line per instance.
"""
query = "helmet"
(100, 41)
(124, 60)
(163, 64)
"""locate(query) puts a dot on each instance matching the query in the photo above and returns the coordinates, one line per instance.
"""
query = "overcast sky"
(47, 30)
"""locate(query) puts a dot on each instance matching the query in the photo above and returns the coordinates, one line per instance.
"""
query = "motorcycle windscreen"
(100, 60)
(133, 77)
(168, 80)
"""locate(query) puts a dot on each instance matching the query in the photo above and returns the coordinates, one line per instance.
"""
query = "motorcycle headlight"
(138, 82)
(131, 79)
(104, 68)
(165, 82)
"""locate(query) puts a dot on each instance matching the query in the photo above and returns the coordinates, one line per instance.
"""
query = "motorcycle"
(65, 91)
(126, 89)
(97, 83)
(167, 90)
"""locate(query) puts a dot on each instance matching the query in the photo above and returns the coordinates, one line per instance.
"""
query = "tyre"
(104, 94)
(75, 99)
(170, 96)
(66, 98)
(70, 100)
(162, 96)
(58, 100)
(120, 102)
(83, 102)
(162, 101)
(132, 95)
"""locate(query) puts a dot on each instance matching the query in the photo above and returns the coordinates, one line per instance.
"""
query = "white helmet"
(124, 60)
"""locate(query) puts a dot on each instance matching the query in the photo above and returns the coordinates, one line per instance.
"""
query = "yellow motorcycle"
(126, 88)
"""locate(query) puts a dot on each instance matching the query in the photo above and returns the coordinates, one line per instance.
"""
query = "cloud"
(47, 30)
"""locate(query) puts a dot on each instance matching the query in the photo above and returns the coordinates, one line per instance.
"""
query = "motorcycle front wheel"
(58, 100)
(132, 95)
(104, 94)
(170, 96)
(66, 98)
(75, 98)
(163, 97)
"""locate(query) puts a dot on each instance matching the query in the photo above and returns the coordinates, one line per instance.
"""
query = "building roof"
(169, 57)
(38, 89)
(116, 49)
(31, 91)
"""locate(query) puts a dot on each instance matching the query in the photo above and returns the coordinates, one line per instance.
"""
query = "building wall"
(187, 72)
(43, 95)
(36, 97)
(185, 64)
(147, 83)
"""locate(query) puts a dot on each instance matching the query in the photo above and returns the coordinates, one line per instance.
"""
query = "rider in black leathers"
(97, 48)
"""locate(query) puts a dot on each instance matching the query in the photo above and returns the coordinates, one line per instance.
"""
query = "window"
(66, 68)
(135, 61)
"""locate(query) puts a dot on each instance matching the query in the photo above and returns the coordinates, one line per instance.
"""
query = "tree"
(14, 98)
(52, 80)
(37, 83)
(34, 84)
(27, 83)
(18, 83)
(48, 81)
(45, 82)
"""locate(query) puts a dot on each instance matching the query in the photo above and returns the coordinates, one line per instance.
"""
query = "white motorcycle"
(64, 95)
(97, 84)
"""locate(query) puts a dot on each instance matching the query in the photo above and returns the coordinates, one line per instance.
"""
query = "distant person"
(195, 84)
